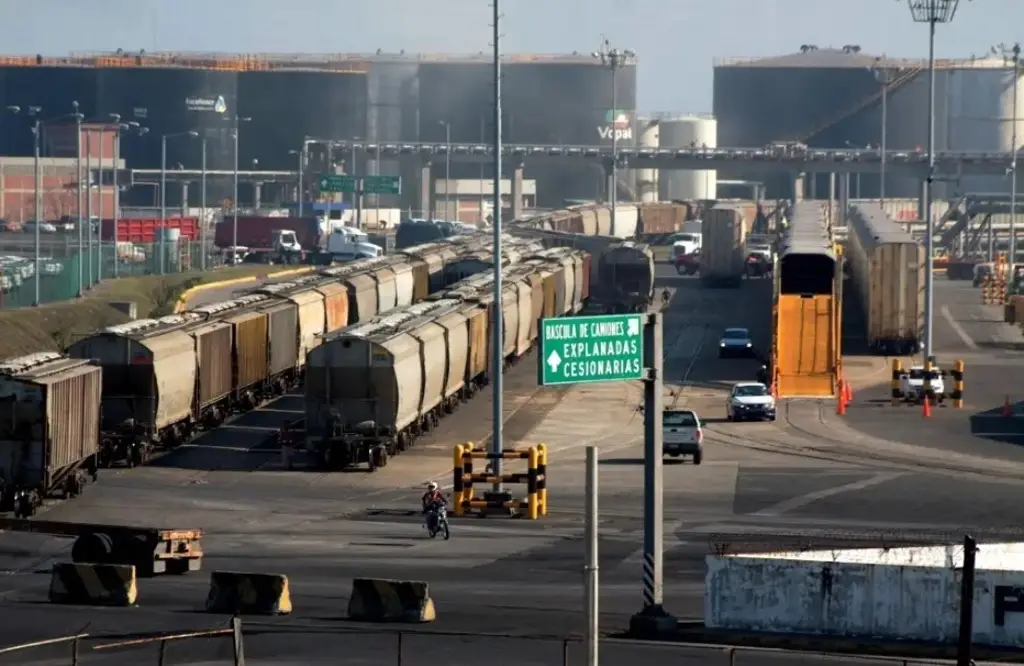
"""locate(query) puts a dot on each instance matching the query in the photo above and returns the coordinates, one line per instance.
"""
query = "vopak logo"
(617, 124)
(215, 104)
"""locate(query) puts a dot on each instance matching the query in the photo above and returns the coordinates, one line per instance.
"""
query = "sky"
(676, 41)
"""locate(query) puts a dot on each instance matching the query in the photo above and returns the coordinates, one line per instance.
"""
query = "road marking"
(795, 503)
(957, 328)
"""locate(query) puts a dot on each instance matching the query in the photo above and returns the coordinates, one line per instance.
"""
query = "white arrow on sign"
(554, 360)
(323, 183)
(633, 327)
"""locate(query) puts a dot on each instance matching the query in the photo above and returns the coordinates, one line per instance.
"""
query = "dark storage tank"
(286, 106)
(827, 98)
(51, 88)
(567, 100)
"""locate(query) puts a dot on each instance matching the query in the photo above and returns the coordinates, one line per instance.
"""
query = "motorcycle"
(437, 521)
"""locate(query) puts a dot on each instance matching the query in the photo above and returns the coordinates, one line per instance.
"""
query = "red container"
(144, 230)
(256, 233)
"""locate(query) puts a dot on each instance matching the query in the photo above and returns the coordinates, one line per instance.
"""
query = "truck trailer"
(723, 250)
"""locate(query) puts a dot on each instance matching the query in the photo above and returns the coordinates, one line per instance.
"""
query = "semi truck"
(294, 240)
(723, 249)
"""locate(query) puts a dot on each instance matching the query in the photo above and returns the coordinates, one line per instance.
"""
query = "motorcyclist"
(433, 497)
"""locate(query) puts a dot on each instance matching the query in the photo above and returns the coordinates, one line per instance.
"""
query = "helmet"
(432, 486)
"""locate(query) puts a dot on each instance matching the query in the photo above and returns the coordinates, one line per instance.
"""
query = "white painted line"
(957, 328)
(795, 503)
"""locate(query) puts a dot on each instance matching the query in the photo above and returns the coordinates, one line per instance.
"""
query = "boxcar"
(49, 428)
(626, 277)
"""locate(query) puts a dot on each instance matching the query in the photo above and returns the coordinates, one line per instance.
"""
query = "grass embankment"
(54, 326)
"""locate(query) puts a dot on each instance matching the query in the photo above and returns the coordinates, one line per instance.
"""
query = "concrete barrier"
(248, 593)
(93, 584)
(182, 303)
(379, 600)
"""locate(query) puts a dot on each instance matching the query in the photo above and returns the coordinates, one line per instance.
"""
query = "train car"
(806, 355)
(49, 429)
(887, 267)
(626, 273)
(372, 389)
(149, 385)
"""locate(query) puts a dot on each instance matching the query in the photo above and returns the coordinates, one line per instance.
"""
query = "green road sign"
(332, 182)
(583, 350)
(382, 185)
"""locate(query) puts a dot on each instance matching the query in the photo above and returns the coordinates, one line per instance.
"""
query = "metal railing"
(387, 645)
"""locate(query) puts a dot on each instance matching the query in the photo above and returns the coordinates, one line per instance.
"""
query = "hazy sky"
(676, 40)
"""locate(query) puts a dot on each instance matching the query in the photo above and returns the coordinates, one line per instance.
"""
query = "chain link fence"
(64, 272)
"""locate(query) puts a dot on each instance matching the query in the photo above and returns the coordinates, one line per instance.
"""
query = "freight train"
(806, 326)
(121, 393)
(887, 268)
(166, 379)
(372, 389)
(49, 429)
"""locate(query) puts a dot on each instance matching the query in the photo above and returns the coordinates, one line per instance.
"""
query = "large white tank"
(683, 132)
(647, 179)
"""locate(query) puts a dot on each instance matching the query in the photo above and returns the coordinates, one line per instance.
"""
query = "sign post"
(584, 350)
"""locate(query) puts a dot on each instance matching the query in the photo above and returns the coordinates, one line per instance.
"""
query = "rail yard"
(388, 357)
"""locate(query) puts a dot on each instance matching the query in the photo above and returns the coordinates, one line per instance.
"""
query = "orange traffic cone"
(1007, 407)
(841, 406)
(849, 391)
(926, 407)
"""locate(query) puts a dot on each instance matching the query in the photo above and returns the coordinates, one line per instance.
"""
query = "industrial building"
(832, 98)
(283, 98)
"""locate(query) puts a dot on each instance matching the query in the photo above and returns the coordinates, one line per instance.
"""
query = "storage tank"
(683, 132)
(647, 179)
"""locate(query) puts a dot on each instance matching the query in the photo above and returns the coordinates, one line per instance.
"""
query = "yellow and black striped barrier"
(535, 478)
(958, 384)
(993, 291)
(897, 370)
(380, 600)
(233, 592)
(93, 584)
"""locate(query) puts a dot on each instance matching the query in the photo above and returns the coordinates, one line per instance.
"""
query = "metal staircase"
(905, 77)
(958, 215)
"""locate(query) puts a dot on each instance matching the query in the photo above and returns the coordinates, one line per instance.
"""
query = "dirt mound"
(54, 326)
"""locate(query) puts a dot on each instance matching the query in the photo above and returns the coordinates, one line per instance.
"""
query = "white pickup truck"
(682, 434)
(912, 384)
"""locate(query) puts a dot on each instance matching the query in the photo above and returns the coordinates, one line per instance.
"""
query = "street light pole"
(78, 182)
(447, 167)
(234, 233)
(204, 224)
(930, 12)
(884, 76)
(497, 339)
(1012, 55)
(37, 127)
(163, 199)
(88, 202)
(614, 59)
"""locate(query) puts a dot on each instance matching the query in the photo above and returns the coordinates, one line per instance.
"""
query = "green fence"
(74, 273)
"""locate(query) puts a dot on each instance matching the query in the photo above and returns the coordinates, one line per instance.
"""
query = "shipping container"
(213, 354)
(335, 305)
(283, 330)
(661, 218)
(147, 230)
(723, 253)
(49, 421)
(887, 268)
(250, 349)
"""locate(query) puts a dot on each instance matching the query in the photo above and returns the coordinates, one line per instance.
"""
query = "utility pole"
(497, 339)
(884, 75)
(1012, 55)
(930, 12)
(614, 60)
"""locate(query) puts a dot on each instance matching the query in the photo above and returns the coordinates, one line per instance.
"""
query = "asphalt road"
(964, 329)
(807, 479)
